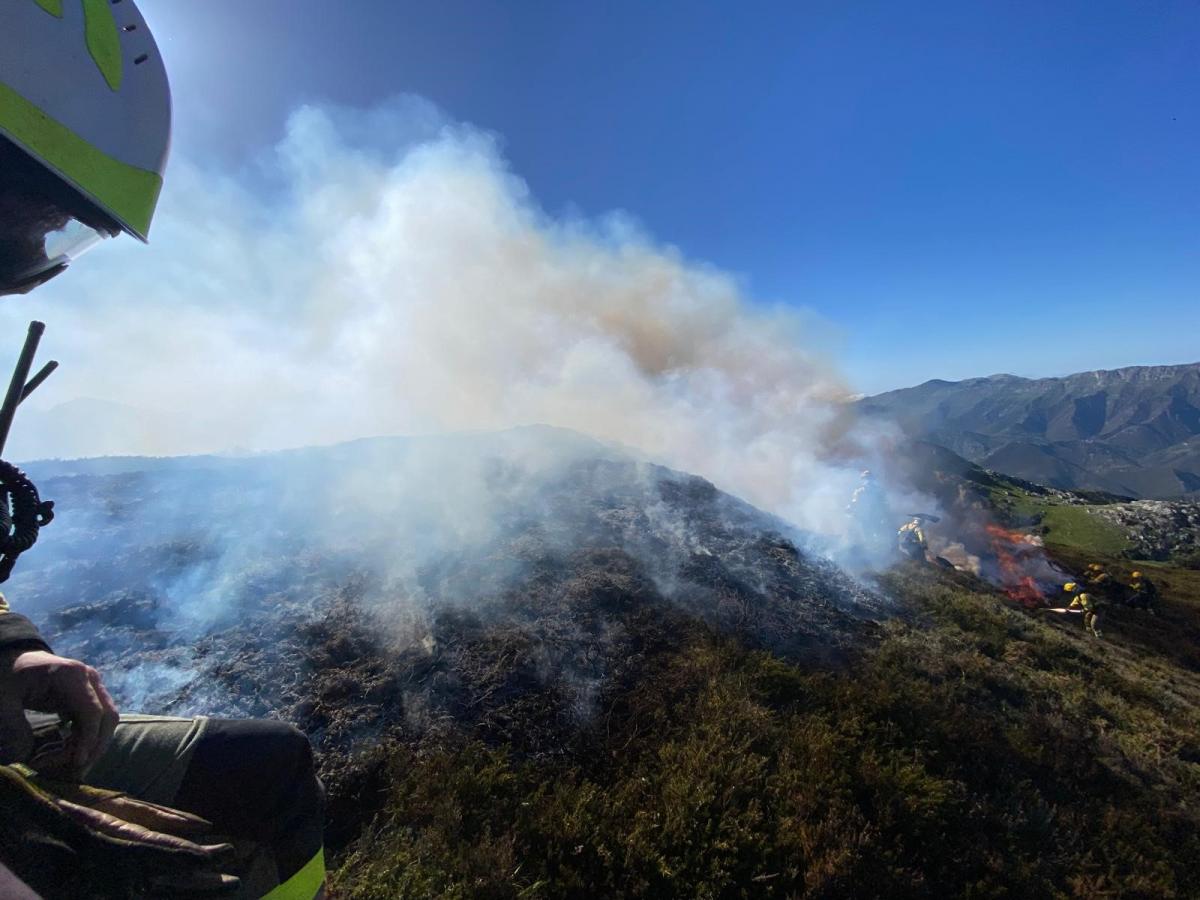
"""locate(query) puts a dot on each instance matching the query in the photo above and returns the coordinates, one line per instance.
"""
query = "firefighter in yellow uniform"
(1098, 578)
(1143, 592)
(1084, 602)
(911, 539)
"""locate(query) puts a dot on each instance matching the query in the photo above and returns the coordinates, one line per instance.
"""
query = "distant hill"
(1133, 432)
(89, 427)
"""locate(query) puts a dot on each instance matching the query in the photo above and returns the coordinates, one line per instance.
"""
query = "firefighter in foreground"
(1084, 603)
(93, 802)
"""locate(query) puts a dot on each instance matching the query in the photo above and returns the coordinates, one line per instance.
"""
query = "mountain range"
(1134, 432)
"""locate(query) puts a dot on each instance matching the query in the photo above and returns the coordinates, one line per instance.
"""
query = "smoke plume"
(383, 272)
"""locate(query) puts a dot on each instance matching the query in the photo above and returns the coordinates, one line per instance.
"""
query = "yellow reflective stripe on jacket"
(305, 884)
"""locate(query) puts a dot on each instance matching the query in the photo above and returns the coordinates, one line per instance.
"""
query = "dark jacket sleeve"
(17, 632)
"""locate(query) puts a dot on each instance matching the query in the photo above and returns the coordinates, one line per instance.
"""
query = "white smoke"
(384, 272)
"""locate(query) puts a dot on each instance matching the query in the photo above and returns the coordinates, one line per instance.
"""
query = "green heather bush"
(975, 751)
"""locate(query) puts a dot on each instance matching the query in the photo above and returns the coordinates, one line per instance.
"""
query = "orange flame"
(1014, 550)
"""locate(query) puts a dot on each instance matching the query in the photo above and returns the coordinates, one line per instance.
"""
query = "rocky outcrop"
(1158, 529)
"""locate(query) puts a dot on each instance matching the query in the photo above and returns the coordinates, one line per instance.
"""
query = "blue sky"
(960, 188)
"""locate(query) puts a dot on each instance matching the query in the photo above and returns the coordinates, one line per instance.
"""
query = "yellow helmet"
(1070, 587)
(1135, 574)
(1095, 567)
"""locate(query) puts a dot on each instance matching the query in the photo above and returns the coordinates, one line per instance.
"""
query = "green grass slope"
(974, 750)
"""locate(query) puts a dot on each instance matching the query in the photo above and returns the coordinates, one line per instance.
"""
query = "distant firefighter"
(1085, 603)
(868, 512)
(911, 539)
(867, 488)
(1143, 593)
(1103, 586)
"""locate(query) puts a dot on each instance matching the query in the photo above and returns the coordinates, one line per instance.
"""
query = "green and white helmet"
(85, 125)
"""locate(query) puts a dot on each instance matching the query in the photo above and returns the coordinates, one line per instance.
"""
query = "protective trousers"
(252, 778)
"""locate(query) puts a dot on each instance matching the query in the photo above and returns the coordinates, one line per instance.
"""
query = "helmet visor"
(35, 245)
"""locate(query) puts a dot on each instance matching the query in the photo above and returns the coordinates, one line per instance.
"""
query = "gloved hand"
(41, 681)
(69, 840)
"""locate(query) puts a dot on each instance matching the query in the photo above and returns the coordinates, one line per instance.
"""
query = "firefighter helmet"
(85, 122)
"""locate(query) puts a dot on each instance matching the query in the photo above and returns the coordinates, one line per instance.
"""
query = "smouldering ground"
(976, 750)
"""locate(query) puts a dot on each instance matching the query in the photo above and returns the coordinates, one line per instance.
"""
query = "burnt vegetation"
(639, 687)
(972, 751)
